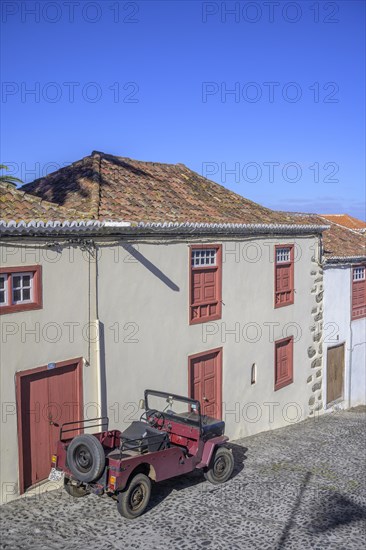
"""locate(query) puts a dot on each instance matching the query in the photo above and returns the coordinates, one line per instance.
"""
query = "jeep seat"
(212, 427)
(142, 437)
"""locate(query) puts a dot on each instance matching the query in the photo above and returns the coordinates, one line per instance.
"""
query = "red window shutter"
(283, 362)
(205, 299)
(284, 278)
(358, 298)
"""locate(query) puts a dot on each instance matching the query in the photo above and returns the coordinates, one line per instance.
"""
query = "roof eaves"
(236, 227)
(107, 227)
(345, 259)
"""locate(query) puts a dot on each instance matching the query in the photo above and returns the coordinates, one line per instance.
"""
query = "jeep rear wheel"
(132, 502)
(85, 458)
(74, 490)
(221, 466)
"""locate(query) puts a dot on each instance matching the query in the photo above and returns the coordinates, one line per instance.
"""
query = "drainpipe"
(98, 366)
(94, 323)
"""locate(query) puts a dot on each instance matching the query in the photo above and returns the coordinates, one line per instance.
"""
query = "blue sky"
(151, 80)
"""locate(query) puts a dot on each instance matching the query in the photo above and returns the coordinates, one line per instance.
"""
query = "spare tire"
(86, 458)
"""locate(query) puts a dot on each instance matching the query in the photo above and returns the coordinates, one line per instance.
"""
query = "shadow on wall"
(150, 266)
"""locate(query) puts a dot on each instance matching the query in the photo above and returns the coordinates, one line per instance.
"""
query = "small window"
(3, 290)
(203, 257)
(283, 255)
(359, 292)
(205, 283)
(20, 289)
(284, 275)
(22, 286)
(359, 274)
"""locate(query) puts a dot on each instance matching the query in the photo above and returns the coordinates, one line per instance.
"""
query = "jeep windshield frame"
(192, 416)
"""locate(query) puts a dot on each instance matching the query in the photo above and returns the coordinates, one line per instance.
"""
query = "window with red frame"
(284, 275)
(283, 363)
(359, 292)
(205, 283)
(20, 289)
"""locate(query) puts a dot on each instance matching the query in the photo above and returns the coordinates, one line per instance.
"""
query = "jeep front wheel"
(221, 466)
(132, 501)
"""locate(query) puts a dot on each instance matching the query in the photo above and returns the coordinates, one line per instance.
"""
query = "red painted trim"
(292, 274)
(217, 315)
(290, 379)
(362, 314)
(203, 354)
(18, 392)
(37, 288)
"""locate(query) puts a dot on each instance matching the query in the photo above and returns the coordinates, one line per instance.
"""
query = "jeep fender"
(209, 448)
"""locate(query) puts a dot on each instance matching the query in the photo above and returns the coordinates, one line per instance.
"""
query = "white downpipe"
(98, 365)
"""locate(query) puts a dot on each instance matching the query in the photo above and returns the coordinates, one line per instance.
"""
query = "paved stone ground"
(300, 487)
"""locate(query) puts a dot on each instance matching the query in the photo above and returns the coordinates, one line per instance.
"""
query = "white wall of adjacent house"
(340, 329)
(32, 339)
(143, 308)
(358, 377)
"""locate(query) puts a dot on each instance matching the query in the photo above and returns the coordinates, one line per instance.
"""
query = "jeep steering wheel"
(152, 416)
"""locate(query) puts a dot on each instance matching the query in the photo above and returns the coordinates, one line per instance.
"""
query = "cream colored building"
(166, 281)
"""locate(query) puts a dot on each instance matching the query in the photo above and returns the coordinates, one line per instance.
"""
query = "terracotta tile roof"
(342, 242)
(17, 205)
(75, 186)
(106, 187)
(346, 221)
(338, 241)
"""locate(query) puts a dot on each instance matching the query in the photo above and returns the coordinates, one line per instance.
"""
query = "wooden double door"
(205, 381)
(46, 398)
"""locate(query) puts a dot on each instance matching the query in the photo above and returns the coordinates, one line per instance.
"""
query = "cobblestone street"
(299, 487)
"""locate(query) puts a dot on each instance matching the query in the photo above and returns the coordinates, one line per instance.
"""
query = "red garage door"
(205, 373)
(46, 399)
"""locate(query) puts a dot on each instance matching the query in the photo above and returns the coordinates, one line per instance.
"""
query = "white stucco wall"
(151, 301)
(146, 337)
(32, 339)
(358, 371)
(338, 329)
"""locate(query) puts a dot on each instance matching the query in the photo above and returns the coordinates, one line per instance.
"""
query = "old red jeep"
(171, 438)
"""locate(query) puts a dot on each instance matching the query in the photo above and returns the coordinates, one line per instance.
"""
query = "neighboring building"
(188, 286)
(346, 221)
(344, 317)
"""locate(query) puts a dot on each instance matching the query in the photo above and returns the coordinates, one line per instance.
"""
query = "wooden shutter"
(205, 288)
(283, 362)
(284, 278)
(358, 295)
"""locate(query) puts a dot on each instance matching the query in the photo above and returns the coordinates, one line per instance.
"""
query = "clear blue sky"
(148, 80)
